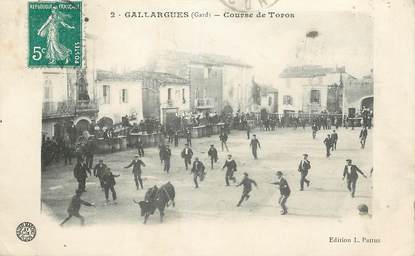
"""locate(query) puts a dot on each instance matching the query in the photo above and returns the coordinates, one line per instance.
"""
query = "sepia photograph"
(259, 120)
(207, 127)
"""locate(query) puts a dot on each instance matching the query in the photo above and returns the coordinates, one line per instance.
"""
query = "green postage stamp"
(55, 34)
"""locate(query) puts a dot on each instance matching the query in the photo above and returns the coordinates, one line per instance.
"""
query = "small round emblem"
(26, 231)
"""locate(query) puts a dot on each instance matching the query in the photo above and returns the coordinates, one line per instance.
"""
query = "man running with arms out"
(284, 190)
(75, 206)
(247, 183)
(136, 163)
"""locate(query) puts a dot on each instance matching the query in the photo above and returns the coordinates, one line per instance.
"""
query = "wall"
(237, 87)
(355, 90)
(210, 86)
(151, 98)
(176, 98)
(115, 109)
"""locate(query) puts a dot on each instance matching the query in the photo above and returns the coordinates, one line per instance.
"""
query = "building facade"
(311, 89)
(216, 82)
(118, 96)
(69, 98)
(358, 93)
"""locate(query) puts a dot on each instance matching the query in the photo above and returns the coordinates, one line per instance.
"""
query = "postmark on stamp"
(55, 34)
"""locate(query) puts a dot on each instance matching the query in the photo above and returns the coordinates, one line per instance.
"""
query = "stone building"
(216, 81)
(311, 89)
(69, 97)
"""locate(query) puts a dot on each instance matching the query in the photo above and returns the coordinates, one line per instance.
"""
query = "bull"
(157, 198)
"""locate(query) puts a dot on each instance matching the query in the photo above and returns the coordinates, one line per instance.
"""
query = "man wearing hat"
(247, 183)
(166, 158)
(230, 165)
(140, 148)
(187, 155)
(80, 173)
(99, 171)
(213, 154)
(136, 163)
(109, 182)
(363, 210)
(255, 145)
(334, 138)
(350, 172)
(198, 170)
(303, 168)
(327, 142)
(223, 139)
(284, 191)
(75, 206)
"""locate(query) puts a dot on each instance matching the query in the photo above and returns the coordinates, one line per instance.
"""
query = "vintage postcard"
(195, 127)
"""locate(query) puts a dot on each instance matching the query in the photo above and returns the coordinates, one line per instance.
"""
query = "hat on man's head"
(245, 173)
(136, 155)
(100, 160)
(305, 154)
(348, 160)
(211, 145)
(363, 209)
(186, 144)
(278, 173)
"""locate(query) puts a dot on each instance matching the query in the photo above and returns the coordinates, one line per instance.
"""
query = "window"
(206, 72)
(124, 96)
(287, 100)
(47, 92)
(106, 94)
(183, 97)
(315, 96)
(169, 94)
(269, 101)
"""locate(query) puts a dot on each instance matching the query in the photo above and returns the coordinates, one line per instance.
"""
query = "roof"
(163, 78)
(309, 71)
(210, 59)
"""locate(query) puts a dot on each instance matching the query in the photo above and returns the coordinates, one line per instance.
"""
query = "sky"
(270, 45)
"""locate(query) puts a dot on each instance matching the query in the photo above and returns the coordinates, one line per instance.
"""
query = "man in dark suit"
(255, 145)
(136, 163)
(187, 155)
(166, 158)
(223, 139)
(363, 136)
(303, 168)
(247, 183)
(80, 173)
(140, 148)
(334, 138)
(350, 173)
(198, 170)
(99, 171)
(75, 206)
(109, 182)
(230, 165)
(189, 137)
(213, 154)
(284, 191)
(327, 143)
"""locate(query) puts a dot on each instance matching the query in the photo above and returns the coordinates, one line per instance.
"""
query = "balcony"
(86, 106)
(204, 103)
(57, 109)
(68, 108)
